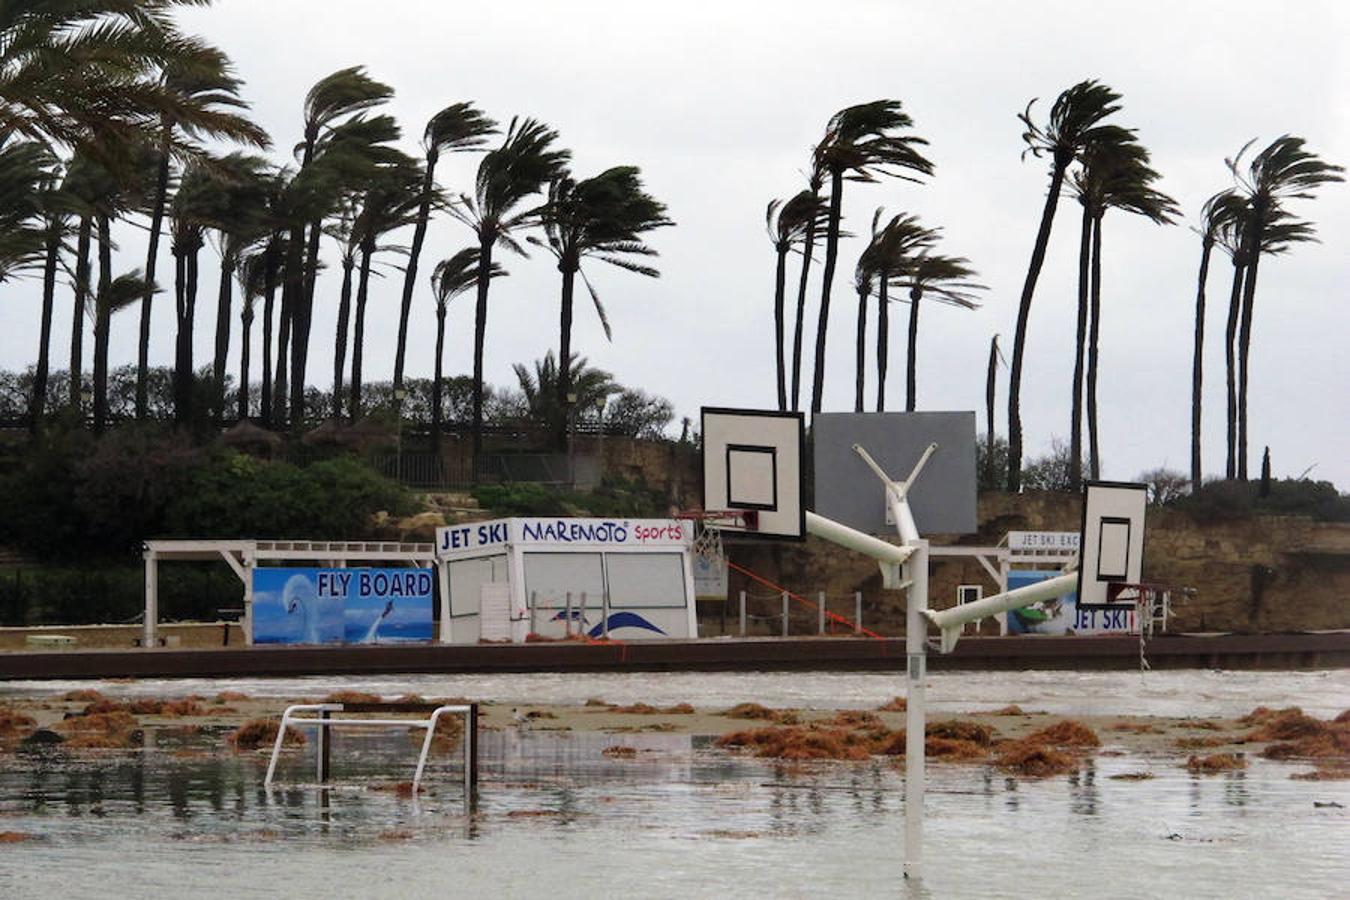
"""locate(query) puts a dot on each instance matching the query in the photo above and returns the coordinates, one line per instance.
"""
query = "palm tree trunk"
(304, 319)
(779, 335)
(269, 296)
(1094, 330)
(912, 364)
(485, 242)
(1197, 363)
(343, 321)
(1020, 337)
(245, 332)
(1230, 359)
(81, 298)
(102, 322)
(37, 406)
(831, 257)
(184, 376)
(179, 301)
(224, 302)
(291, 290)
(436, 382)
(559, 424)
(410, 274)
(151, 260)
(883, 340)
(860, 352)
(1076, 414)
(1245, 345)
(808, 247)
(359, 338)
(989, 384)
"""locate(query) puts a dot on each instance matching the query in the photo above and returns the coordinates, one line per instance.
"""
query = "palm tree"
(451, 277)
(861, 143)
(989, 384)
(864, 281)
(602, 218)
(333, 120)
(114, 295)
(1283, 171)
(55, 212)
(1075, 123)
(1115, 174)
(945, 279)
(254, 282)
(592, 386)
(456, 129)
(390, 203)
(1217, 214)
(27, 174)
(207, 95)
(894, 248)
(191, 212)
(507, 176)
(815, 182)
(790, 224)
(239, 222)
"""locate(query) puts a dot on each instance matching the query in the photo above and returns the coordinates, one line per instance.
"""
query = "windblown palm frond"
(862, 141)
(456, 274)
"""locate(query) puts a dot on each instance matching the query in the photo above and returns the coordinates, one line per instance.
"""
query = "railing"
(324, 721)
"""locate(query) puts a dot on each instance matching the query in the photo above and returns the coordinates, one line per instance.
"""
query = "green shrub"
(84, 596)
(1220, 500)
(613, 498)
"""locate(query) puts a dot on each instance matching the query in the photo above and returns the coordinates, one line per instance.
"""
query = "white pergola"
(243, 556)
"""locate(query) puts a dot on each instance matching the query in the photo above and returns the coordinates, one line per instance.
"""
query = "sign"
(341, 606)
(1060, 541)
(1064, 615)
(710, 578)
(563, 532)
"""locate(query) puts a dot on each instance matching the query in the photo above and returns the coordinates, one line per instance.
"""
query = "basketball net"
(708, 531)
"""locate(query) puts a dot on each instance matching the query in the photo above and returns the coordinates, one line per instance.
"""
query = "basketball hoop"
(708, 525)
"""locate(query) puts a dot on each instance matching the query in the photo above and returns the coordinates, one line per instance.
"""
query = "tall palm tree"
(239, 222)
(507, 176)
(451, 277)
(1075, 122)
(815, 183)
(790, 224)
(114, 295)
(989, 385)
(254, 282)
(894, 249)
(191, 212)
(458, 128)
(1217, 214)
(333, 120)
(864, 282)
(861, 143)
(602, 218)
(540, 387)
(1281, 172)
(945, 279)
(1115, 173)
(55, 213)
(208, 105)
(389, 204)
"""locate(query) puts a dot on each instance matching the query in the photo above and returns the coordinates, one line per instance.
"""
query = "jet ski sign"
(342, 606)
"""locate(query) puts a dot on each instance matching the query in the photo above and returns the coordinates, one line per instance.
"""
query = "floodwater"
(556, 817)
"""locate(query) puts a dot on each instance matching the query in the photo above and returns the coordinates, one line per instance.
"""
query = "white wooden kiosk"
(627, 579)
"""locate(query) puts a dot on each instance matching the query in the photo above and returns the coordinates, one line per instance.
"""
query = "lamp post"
(570, 413)
(400, 394)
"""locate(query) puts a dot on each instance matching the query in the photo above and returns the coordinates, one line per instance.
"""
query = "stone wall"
(1259, 574)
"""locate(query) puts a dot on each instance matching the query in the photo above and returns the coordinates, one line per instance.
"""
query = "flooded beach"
(670, 814)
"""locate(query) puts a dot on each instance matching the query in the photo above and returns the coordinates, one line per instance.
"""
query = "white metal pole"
(742, 613)
(150, 626)
(785, 614)
(820, 612)
(443, 583)
(916, 631)
(857, 612)
(568, 620)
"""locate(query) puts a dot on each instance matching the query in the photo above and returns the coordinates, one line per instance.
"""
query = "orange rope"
(833, 617)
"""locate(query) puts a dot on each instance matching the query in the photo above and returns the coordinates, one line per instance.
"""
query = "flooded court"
(676, 817)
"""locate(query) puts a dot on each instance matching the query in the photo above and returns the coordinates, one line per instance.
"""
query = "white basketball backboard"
(1111, 546)
(752, 461)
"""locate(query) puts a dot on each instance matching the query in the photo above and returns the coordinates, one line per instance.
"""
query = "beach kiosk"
(623, 579)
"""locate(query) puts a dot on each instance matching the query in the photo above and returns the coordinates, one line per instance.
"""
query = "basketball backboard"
(942, 499)
(752, 461)
(1111, 548)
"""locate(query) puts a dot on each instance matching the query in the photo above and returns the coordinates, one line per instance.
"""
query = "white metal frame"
(319, 723)
(243, 556)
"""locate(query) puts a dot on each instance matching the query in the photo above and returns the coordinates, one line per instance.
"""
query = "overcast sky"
(719, 103)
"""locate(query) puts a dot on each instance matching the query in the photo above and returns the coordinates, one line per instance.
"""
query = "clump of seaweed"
(858, 719)
(1068, 733)
(111, 730)
(397, 788)
(231, 697)
(1131, 776)
(1133, 727)
(15, 724)
(956, 730)
(757, 711)
(1325, 772)
(895, 704)
(1199, 743)
(1034, 760)
(1331, 745)
(1215, 763)
(953, 749)
(1290, 725)
(257, 733)
(83, 695)
(800, 742)
(620, 752)
(1010, 710)
(596, 701)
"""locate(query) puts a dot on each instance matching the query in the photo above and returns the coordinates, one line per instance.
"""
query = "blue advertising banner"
(342, 606)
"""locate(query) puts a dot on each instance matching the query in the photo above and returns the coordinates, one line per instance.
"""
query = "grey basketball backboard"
(752, 462)
(1111, 548)
(943, 497)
